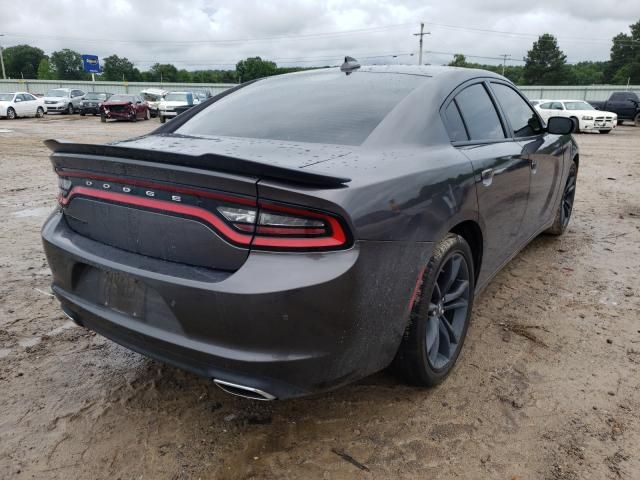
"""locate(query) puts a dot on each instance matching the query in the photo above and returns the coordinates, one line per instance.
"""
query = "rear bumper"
(286, 324)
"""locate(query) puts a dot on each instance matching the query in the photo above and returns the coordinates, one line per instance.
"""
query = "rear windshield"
(121, 98)
(323, 107)
(95, 96)
(176, 97)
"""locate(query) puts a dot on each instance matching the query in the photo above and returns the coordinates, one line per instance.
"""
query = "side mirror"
(138, 101)
(560, 125)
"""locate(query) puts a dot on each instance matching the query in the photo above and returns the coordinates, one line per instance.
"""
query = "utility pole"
(421, 34)
(504, 61)
(4, 75)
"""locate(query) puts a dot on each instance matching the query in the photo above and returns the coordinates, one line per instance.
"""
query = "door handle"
(487, 177)
(534, 164)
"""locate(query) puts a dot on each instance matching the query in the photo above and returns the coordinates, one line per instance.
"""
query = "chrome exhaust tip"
(244, 391)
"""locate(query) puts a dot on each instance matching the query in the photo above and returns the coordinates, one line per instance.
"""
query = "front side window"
(479, 114)
(578, 106)
(521, 116)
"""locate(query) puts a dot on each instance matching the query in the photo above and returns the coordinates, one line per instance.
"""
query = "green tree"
(545, 63)
(163, 72)
(255, 67)
(586, 73)
(624, 63)
(22, 61)
(44, 70)
(459, 60)
(184, 76)
(67, 65)
(115, 68)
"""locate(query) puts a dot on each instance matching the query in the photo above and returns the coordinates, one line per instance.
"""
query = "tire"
(40, 112)
(564, 210)
(11, 113)
(576, 125)
(604, 132)
(637, 120)
(103, 118)
(147, 115)
(82, 113)
(70, 109)
(620, 122)
(427, 353)
(163, 119)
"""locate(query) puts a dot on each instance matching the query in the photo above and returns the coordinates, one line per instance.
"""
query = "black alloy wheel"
(568, 196)
(565, 208)
(440, 317)
(447, 312)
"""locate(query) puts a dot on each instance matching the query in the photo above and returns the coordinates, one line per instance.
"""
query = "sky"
(203, 34)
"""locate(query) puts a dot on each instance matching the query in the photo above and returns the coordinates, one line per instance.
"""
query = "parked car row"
(585, 117)
(149, 103)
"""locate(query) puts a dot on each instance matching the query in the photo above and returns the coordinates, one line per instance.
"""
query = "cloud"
(208, 34)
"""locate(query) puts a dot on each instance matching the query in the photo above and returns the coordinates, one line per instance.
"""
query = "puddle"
(33, 212)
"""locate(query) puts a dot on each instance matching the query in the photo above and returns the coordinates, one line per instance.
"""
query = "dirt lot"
(548, 386)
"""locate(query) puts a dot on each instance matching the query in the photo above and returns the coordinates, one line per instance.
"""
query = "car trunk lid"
(167, 201)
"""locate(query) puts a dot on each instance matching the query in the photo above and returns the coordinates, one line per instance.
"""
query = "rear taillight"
(277, 226)
(240, 220)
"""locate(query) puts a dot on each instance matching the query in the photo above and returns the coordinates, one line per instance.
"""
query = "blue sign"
(90, 63)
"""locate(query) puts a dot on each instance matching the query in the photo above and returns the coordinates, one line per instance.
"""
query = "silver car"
(65, 100)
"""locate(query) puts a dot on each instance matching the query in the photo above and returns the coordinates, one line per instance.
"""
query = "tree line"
(545, 64)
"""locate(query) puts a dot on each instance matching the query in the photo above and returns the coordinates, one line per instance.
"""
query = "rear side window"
(318, 107)
(523, 119)
(454, 124)
(479, 114)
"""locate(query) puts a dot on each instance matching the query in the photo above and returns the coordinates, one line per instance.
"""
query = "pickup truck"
(625, 104)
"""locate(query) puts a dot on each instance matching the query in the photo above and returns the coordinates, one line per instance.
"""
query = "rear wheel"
(563, 214)
(440, 318)
(147, 115)
(604, 131)
(163, 119)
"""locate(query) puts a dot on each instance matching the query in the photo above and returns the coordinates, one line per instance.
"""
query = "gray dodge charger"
(299, 232)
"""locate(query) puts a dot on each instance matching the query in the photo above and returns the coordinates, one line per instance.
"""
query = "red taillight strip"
(161, 205)
(337, 238)
(159, 186)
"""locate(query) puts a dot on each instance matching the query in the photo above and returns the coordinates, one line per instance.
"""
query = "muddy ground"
(548, 386)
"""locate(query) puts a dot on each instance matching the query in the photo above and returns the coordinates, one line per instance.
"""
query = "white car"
(586, 118)
(65, 100)
(153, 97)
(183, 100)
(20, 104)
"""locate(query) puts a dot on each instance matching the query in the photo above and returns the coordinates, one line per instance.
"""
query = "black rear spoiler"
(211, 162)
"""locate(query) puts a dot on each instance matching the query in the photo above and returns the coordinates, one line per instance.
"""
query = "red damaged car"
(124, 107)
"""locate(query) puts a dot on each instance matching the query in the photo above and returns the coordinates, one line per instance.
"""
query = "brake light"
(282, 227)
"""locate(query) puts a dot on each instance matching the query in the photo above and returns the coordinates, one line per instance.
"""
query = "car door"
(544, 152)
(622, 104)
(30, 103)
(76, 98)
(500, 170)
(18, 105)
